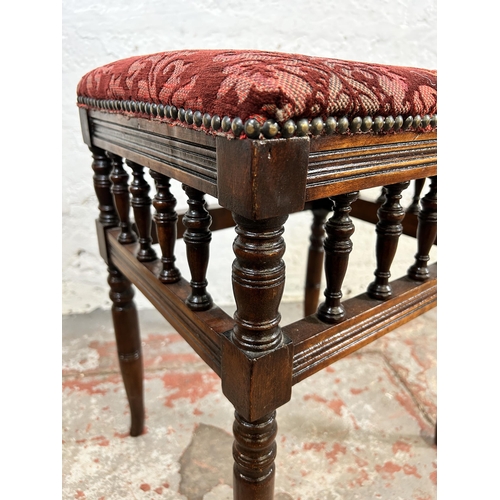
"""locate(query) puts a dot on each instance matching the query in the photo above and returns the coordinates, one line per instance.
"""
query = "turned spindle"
(389, 229)
(141, 204)
(382, 196)
(121, 196)
(101, 166)
(426, 233)
(165, 218)
(128, 343)
(197, 237)
(414, 207)
(315, 261)
(338, 246)
(254, 452)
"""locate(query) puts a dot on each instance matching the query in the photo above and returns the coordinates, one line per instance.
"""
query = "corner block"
(256, 384)
(260, 179)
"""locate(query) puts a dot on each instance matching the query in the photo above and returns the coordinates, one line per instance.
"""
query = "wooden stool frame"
(260, 182)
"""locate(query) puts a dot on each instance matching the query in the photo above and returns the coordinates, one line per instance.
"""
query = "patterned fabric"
(264, 85)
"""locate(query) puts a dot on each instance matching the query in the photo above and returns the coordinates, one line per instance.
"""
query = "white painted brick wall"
(95, 33)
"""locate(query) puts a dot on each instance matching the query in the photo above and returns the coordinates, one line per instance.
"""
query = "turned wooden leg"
(338, 246)
(389, 229)
(197, 237)
(258, 282)
(315, 261)
(254, 451)
(256, 386)
(414, 207)
(426, 233)
(128, 344)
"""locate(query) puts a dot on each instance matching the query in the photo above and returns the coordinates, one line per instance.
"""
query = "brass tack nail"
(317, 125)
(198, 118)
(237, 126)
(367, 124)
(343, 125)
(252, 128)
(330, 125)
(302, 127)
(226, 124)
(398, 122)
(378, 124)
(408, 122)
(288, 129)
(389, 123)
(270, 129)
(216, 122)
(207, 119)
(356, 124)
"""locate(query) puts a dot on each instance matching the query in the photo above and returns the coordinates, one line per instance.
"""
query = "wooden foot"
(128, 344)
(254, 451)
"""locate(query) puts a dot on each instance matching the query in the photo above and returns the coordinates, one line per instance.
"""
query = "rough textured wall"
(389, 32)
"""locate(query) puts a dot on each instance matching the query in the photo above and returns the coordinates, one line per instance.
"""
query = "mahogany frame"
(261, 182)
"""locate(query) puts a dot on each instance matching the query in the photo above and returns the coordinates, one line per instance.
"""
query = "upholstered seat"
(264, 94)
(267, 134)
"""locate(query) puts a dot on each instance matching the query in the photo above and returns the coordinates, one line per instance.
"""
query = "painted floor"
(360, 429)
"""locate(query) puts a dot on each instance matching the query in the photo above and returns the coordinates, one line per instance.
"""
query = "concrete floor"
(360, 429)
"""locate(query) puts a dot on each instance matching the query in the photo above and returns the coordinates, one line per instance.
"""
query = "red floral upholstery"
(260, 85)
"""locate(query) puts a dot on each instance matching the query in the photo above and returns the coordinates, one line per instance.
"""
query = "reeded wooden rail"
(323, 166)
(201, 330)
(315, 344)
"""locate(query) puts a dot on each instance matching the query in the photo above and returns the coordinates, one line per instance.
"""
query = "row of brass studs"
(269, 129)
